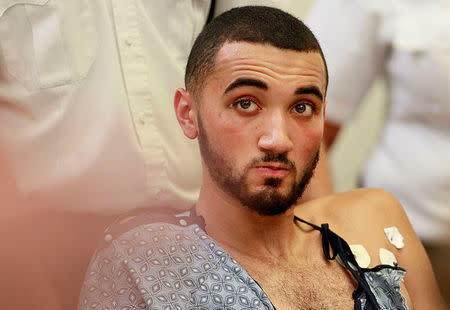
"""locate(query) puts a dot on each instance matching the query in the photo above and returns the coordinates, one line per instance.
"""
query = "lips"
(273, 170)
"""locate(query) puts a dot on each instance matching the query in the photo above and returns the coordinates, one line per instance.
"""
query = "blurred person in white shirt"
(87, 127)
(409, 42)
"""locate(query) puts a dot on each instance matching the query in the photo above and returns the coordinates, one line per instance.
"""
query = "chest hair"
(320, 285)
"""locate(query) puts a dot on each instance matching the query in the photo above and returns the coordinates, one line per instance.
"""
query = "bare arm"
(420, 280)
(380, 210)
(362, 215)
(8, 187)
(16, 230)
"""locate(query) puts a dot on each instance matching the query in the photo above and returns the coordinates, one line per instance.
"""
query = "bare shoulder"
(360, 217)
(357, 209)
(371, 207)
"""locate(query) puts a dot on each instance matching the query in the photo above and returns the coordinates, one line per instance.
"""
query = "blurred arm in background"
(24, 282)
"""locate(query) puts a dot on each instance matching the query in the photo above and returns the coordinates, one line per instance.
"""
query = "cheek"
(309, 142)
(233, 128)
(231, 134)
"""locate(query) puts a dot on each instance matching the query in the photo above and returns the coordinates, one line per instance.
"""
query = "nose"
(275, 136)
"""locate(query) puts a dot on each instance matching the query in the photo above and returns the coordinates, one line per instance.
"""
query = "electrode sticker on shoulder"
(387, 257)
(394, 236)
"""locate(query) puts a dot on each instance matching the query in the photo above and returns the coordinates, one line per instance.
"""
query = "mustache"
(269, 157)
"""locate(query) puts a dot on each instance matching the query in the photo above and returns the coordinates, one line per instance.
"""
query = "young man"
(255, 98)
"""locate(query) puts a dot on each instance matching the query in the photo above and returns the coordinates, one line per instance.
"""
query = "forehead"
(268, 63)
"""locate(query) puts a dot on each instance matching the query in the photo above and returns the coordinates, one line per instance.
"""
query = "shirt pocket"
(47, 43)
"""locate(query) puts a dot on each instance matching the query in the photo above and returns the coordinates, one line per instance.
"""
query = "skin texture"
(248, 121)
(267, 200)
(234, 124)
(359, 217)
(320, 184)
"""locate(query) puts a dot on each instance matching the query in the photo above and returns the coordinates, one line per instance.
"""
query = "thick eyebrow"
(313, 90)
(240, 82)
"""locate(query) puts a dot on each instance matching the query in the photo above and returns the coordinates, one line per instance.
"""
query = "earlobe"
(185, 111)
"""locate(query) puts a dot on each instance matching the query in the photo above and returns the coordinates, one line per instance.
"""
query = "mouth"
(272, 170)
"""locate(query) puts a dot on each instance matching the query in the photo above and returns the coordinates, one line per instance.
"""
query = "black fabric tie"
(334, 245)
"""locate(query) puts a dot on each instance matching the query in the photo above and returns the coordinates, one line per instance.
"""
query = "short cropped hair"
(254, 24)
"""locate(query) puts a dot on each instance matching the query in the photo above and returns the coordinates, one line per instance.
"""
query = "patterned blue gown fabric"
(168, 265)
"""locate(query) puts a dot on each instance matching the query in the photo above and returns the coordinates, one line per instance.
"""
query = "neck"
(241, 230)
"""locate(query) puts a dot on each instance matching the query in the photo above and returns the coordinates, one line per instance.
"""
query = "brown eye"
(304, 109)
(245, 105)
(300, 108)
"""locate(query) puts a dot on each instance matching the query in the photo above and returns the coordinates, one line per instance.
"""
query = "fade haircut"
(254, 24)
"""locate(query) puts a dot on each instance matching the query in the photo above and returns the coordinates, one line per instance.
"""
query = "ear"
(185, 110)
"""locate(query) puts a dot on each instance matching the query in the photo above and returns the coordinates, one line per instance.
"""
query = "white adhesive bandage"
(394, 236)
(387, 257)
(361, 255)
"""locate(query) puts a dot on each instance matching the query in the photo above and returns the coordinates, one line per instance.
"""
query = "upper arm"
(360, 217)
(109, 283)
(419, 280)
(386, 211)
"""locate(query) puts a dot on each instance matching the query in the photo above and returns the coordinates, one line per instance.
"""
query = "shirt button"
(183, 222)
(108, 237)
(128, 42)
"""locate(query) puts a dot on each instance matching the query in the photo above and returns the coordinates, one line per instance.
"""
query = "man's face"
(260, 124)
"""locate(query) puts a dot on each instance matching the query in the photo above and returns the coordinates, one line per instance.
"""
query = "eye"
(246, 105)
(303, 108)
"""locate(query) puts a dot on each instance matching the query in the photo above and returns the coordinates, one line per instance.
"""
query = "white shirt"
(86, 101)
(409, 41)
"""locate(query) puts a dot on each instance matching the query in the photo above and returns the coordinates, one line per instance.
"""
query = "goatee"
(265, 202)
